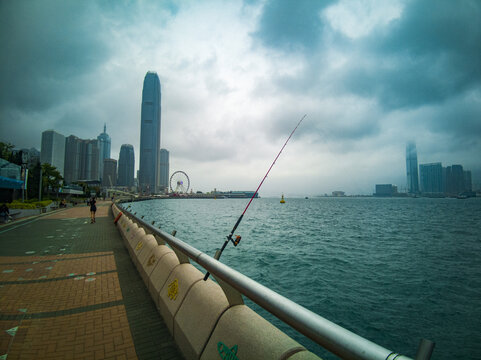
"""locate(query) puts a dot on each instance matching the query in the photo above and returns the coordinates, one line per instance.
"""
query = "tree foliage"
(6, 151)
(51, 178)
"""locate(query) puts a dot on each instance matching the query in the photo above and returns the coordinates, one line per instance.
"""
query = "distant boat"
(306, 197)
(282, 199)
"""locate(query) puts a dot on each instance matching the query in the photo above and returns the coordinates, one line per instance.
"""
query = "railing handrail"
(329, 335)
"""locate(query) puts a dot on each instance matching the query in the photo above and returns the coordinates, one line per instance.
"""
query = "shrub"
(20, 205)
(26, 205)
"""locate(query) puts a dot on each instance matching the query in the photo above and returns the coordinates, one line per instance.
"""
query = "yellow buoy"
(282, 199)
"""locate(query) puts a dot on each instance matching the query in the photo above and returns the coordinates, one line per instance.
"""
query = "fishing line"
(238, 237)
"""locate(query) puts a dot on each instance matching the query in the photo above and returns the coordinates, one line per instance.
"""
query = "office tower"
(104, 149)
(455, 182)
(72, 159)
(431, 178)
(150, 134)
(81, 159)
(412, 168)
(385, 190)
(109, 177)
(53, 150)
(468, 181)
(164, 171)
(126, 166)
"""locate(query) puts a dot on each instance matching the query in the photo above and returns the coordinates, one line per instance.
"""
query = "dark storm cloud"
(47, 46)
(433, 52)
(291, 25)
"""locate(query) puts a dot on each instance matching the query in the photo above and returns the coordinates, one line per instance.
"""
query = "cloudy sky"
(236, 77)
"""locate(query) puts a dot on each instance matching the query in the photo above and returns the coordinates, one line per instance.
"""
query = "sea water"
(392, 270)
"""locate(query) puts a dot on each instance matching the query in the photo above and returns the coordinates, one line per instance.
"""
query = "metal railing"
(334, 338)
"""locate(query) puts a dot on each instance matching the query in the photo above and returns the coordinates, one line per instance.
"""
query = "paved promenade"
(68, 290)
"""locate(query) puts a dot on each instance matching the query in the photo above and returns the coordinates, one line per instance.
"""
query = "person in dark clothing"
(4, 212)
(93, 209)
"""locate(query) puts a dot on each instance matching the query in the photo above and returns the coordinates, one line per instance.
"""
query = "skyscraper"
(81, 159)
(455, 182)
(412, 168)
(164, 170)
(431, 176)
(53, 150)
(72, 159)
(150, 134)
(126, 166)
(104, 148)
(109, 177)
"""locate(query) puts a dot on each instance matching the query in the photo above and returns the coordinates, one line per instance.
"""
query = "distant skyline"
(237, 76)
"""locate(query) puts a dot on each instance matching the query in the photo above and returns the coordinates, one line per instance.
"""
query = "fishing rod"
(237, 239)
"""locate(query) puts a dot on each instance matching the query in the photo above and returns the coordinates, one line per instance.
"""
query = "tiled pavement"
(68, 290)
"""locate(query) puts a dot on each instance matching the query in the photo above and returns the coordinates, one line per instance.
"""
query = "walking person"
(93, 209)
(5, 213)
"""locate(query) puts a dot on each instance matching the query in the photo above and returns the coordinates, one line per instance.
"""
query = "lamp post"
(40, 186)
(24, 173)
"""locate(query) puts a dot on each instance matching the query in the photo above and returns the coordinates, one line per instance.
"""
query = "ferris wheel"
(179, 182)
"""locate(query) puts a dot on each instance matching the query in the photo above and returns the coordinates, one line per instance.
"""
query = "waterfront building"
(104, 148)
(109, 177)
(412, 168)
(126, 166)
(81, 159)
(431, 176)
(385, 190)
(164, 171)
(455, 182)
(468, 181)
(72, 159)
(150, 134)
(53, 150)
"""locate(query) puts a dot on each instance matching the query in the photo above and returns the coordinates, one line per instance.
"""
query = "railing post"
(183, 259)
(425, 349)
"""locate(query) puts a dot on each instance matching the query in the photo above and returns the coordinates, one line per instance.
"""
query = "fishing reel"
(235, 241)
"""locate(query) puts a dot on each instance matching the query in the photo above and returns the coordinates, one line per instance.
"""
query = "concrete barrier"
(303, 355)
(149, 262)
(197, 316)
(126, 229)
(135, 242)
(197, 313)
(174, 291)
(243, 334)
(132, 231)
(143, 249)
(166, 262)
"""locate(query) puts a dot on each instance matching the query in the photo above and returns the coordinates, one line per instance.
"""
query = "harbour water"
(393, 270)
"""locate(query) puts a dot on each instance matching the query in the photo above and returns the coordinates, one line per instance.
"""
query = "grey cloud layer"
(46, 49)
(428, 57)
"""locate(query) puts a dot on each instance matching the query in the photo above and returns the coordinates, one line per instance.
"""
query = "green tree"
(6, 150)
(51, 179)
(33, 180)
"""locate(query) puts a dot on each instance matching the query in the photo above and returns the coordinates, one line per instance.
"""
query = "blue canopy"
(7, 183)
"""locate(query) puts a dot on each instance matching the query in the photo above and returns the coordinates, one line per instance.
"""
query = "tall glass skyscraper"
(150, 134)
(126, 166)
(431, 176)
(412, 168)
(104, 149)
(53, 150)
(164, 170)
(81, 159)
